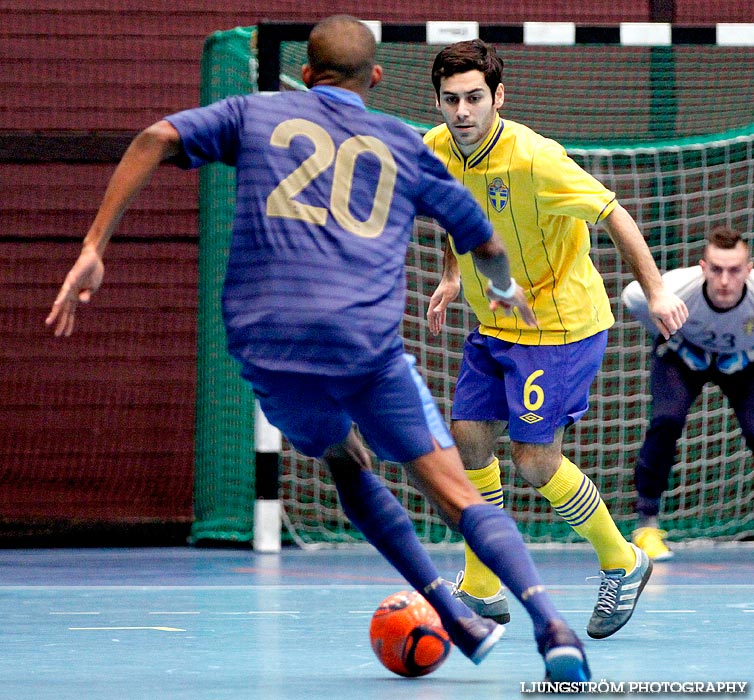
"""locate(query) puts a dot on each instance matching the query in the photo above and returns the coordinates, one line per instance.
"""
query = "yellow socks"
(478, 580)
(576, 499)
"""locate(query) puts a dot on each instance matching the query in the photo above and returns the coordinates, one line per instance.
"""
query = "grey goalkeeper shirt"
(711, 329)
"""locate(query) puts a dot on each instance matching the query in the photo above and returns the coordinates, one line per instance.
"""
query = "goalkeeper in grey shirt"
(716, 344)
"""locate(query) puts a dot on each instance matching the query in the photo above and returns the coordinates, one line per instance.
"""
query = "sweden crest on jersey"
(498, 194)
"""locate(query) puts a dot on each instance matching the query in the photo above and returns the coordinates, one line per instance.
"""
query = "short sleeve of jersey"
(565, 189)
(209, 134)
(634, 300)
(445, 199)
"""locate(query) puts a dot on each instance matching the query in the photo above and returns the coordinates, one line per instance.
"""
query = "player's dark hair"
(724, 237)
(465, 56)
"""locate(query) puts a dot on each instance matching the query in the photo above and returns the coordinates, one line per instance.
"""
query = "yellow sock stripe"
(487, 482)
(574, 497)
(582, 505)
(495, 497)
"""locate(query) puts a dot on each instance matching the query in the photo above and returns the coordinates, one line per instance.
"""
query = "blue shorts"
(392, 407)
(537, 389)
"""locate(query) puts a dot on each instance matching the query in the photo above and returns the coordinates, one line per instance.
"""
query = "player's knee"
(475, 459)
(536, 464)
(749, 438)
(667, 426)
(651, 481)
(475, 442)
(348, 457)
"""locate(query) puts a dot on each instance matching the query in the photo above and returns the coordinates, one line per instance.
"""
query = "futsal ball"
(407, 635)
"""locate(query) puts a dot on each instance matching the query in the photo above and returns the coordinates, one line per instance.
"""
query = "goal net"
(668, 128)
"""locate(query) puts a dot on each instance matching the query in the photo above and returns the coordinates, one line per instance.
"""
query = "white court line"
(175, 612)
(350, 612)
(260, 612)
(672, 612)
(351, 586)
(111, 629)
(193, 612)
(233, 612)
(54, 612)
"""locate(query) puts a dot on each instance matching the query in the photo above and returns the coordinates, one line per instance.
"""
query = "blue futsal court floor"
(219, 624)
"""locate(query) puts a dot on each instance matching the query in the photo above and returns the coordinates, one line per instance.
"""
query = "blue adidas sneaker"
(617, 597)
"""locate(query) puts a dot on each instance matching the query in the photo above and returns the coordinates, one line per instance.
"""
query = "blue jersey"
(326, 195)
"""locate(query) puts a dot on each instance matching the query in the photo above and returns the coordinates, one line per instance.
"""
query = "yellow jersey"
(538, 201)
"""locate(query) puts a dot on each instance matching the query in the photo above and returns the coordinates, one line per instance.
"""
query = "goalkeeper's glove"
(693, 357)
(732, 362)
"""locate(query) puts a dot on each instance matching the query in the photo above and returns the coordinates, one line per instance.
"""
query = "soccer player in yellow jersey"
(534, 378)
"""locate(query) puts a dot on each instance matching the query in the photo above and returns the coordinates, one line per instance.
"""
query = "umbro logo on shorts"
(530, 418)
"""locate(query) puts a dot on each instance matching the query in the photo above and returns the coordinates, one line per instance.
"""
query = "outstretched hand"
(447, 291)
(83, 280)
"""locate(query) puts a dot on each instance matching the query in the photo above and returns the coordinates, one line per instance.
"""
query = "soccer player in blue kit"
(314, 296)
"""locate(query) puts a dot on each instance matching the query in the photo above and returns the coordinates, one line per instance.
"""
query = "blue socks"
(375, 511)
(489, 531)
(495, 539)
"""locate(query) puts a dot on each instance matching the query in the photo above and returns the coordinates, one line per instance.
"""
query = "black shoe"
(475, 636)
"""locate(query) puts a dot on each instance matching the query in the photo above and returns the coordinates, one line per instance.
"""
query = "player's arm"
(491, 259)
(667, 311)
(634, 300)
(447, 290)
(145, 153)
(455, 208)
